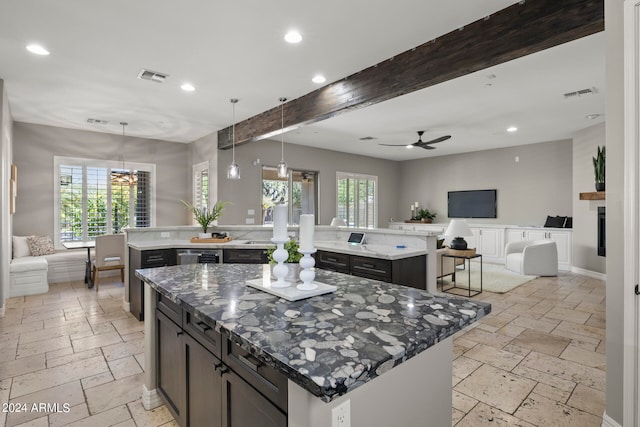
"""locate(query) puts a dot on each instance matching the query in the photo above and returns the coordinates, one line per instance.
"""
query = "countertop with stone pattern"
(328, 344)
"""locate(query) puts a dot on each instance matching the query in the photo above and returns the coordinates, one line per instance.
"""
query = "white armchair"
(532, 257)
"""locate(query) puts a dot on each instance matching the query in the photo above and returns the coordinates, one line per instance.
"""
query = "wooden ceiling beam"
(521, 29)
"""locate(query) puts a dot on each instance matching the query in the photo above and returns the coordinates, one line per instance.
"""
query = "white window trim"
(352, 175)
(197, 170)
(112, 164)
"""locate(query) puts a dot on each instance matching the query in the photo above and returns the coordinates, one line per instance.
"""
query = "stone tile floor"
(536, 360)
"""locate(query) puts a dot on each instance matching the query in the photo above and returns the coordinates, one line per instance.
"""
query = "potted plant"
(291, 246)
(425, 215)
(205, 216)
(598, 168)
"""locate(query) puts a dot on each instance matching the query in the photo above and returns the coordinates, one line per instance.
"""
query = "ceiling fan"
(420, 143)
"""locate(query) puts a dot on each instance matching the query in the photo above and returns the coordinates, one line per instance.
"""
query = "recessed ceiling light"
(37, 49)
(512, 129)
(187, 87)
(318, 78)
(293, 37)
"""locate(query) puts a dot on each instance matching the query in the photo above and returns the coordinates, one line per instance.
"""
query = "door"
(563, 244)
(515, 235)
(537, 235)
(490, 242)
(170, 365)
(204, 381)
(243, 406)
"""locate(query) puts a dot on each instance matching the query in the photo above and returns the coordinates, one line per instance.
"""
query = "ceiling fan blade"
(434, 141)
(427, 147)
(395, 145)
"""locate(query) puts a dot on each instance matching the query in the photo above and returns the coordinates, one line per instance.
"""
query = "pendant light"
(121, 178)
(283, 171)
(233, 171)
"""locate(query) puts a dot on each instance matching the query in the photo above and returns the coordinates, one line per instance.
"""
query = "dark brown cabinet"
(410, 271)
(209, 381)
(244, 256)
(171, 365)
(333, 261)
(144, 259)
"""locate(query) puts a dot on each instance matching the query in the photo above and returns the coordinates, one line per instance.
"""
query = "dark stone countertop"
(328, 344)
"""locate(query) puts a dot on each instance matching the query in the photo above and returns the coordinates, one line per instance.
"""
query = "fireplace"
(602, 236)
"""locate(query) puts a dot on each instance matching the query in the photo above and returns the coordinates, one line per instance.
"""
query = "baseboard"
(607, 421)
(2, 311)
(589, 273)
(126, 306)
(150, 398)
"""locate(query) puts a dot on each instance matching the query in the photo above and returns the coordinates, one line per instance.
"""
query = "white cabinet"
(562, 238)
(488, 242)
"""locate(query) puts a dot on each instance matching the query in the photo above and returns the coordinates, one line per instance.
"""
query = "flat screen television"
(472, 204)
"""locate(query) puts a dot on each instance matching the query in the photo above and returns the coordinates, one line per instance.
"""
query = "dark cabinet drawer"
(157, 258)
(265, 379)
(373, 268)
(170, 366)
(244, 256)
(333, 261)
(172, 310)
(203, 333)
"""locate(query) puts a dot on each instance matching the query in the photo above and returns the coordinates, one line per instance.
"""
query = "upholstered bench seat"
(28, 276)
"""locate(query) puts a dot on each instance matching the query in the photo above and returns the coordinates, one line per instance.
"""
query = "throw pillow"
(40, 245)
(20, 247)
(569, 222)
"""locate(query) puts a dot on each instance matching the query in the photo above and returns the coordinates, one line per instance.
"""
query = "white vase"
(293, 274)
(204, 235)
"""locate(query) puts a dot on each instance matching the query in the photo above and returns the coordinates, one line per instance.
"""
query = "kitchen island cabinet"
(385, 348)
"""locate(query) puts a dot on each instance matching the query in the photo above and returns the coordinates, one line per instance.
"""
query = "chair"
(532, 257)
(109, 255)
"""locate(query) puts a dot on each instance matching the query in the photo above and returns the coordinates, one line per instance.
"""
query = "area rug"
(495, 278)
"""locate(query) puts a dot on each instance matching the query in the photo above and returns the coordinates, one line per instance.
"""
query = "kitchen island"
(384, 348)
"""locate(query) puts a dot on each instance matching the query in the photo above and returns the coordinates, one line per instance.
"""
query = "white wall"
(615, 208)
(246, 192)
(539, 184)
(6, 149)
(585, 212)
(36, 145)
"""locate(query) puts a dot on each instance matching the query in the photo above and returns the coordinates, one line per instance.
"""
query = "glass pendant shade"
(283, 170)
(233, 171)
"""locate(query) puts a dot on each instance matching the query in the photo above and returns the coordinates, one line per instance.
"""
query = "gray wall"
(615, 201)
(246, 192)
(6, 158)
(585, 212)
(539, 184)
(36, 145)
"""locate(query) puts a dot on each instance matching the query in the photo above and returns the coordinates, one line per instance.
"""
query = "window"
(95, 197)
(299, 190)
(357, 199)
(201, 185)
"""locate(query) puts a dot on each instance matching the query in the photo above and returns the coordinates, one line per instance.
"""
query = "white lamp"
(458, 228)
(338, 222)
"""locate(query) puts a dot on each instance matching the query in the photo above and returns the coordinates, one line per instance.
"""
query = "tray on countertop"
(210, 240)
(290, 293)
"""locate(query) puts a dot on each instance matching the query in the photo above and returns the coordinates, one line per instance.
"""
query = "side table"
(465, 259)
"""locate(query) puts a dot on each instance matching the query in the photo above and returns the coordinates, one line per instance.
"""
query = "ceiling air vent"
(154, 76)
(97, 121)
(582, 92)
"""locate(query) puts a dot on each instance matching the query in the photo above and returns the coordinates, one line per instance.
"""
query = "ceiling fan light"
(409, 145)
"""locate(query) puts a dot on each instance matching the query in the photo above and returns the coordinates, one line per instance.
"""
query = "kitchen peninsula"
(386, 349)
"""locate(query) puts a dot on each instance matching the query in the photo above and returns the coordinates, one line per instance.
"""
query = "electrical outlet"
(341, 415)
(165, 234)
